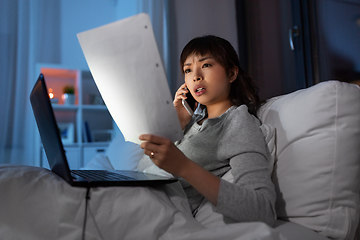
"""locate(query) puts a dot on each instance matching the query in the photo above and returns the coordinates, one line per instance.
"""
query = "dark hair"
(243, 89)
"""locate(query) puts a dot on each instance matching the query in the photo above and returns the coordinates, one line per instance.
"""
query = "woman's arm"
(202, 180)
(168, 157)
(251, 196)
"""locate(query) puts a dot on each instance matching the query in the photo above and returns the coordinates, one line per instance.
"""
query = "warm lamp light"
(51, 95)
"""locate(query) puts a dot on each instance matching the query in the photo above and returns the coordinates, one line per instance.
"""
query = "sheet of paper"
(125, 62)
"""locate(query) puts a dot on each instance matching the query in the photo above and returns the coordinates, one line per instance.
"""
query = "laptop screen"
(48, 129)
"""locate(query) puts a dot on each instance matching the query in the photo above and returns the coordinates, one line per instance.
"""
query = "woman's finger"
(152, 139)
(182, 91)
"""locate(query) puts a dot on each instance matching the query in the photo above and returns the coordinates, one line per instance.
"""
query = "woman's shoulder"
(240, 125)
(241, 110)
(241, 115)
(240, 129)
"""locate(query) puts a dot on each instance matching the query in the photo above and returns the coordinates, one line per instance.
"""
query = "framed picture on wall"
(66, 132)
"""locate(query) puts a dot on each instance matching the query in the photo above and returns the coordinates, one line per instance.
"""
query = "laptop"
(55, 152)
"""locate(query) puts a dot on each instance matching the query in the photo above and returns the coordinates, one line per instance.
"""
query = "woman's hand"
(168, 157)
(164, 154)
(183, 115)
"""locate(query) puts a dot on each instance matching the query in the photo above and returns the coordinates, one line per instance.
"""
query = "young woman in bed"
(223, 135)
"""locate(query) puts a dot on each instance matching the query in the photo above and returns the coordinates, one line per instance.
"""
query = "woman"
(223, 135)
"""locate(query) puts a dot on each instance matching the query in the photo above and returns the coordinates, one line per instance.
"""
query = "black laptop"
(54, 149)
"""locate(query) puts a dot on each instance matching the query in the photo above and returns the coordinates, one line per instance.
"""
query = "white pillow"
(270, 140)
(317, 174)
(99, 162)
(124, 155)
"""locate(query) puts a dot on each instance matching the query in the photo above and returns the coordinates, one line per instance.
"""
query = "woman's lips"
(199, 90)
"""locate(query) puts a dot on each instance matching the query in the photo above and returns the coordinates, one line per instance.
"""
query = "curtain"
(29, 33)
(158, 11)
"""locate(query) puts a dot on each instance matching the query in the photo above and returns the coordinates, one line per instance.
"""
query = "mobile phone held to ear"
(189, 103)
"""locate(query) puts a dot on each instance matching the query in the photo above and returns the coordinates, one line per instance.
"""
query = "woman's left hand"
(164, 154)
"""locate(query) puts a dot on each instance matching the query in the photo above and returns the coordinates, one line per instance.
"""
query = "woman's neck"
(216, 110)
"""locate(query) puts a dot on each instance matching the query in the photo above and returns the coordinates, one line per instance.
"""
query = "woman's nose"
(197, 79)
(197, 76)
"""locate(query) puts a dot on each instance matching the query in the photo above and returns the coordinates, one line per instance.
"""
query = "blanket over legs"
(37, 204)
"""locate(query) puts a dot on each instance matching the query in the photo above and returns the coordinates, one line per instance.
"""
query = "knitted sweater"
(233, 141)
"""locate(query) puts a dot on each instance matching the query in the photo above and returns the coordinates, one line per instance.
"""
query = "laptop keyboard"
(101, 175)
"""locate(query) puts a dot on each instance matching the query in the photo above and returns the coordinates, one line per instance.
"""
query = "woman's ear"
(233, 74)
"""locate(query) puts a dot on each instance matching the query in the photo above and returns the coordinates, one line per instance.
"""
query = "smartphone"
(189, 103)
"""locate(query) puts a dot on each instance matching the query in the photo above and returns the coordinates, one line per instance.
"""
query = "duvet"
(37, 204)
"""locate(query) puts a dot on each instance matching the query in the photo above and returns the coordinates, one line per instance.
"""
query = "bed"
(312, 135)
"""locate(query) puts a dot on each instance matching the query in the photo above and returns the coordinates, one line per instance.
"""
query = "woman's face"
(207, 80)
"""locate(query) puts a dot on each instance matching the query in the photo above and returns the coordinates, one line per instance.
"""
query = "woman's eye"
(187, 71)
(206, 65)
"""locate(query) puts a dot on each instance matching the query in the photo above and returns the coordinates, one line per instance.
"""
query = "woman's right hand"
(183, 115)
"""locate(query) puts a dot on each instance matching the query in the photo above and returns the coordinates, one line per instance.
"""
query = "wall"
(78, 16)
(265, 46)
(193, 18)
(278, 70)
(338, 39)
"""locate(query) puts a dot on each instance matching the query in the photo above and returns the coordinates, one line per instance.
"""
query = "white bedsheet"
(36, 204)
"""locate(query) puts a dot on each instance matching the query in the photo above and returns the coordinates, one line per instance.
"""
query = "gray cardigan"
(233, 141)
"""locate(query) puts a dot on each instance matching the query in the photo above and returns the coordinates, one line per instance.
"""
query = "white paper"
(125, 62)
